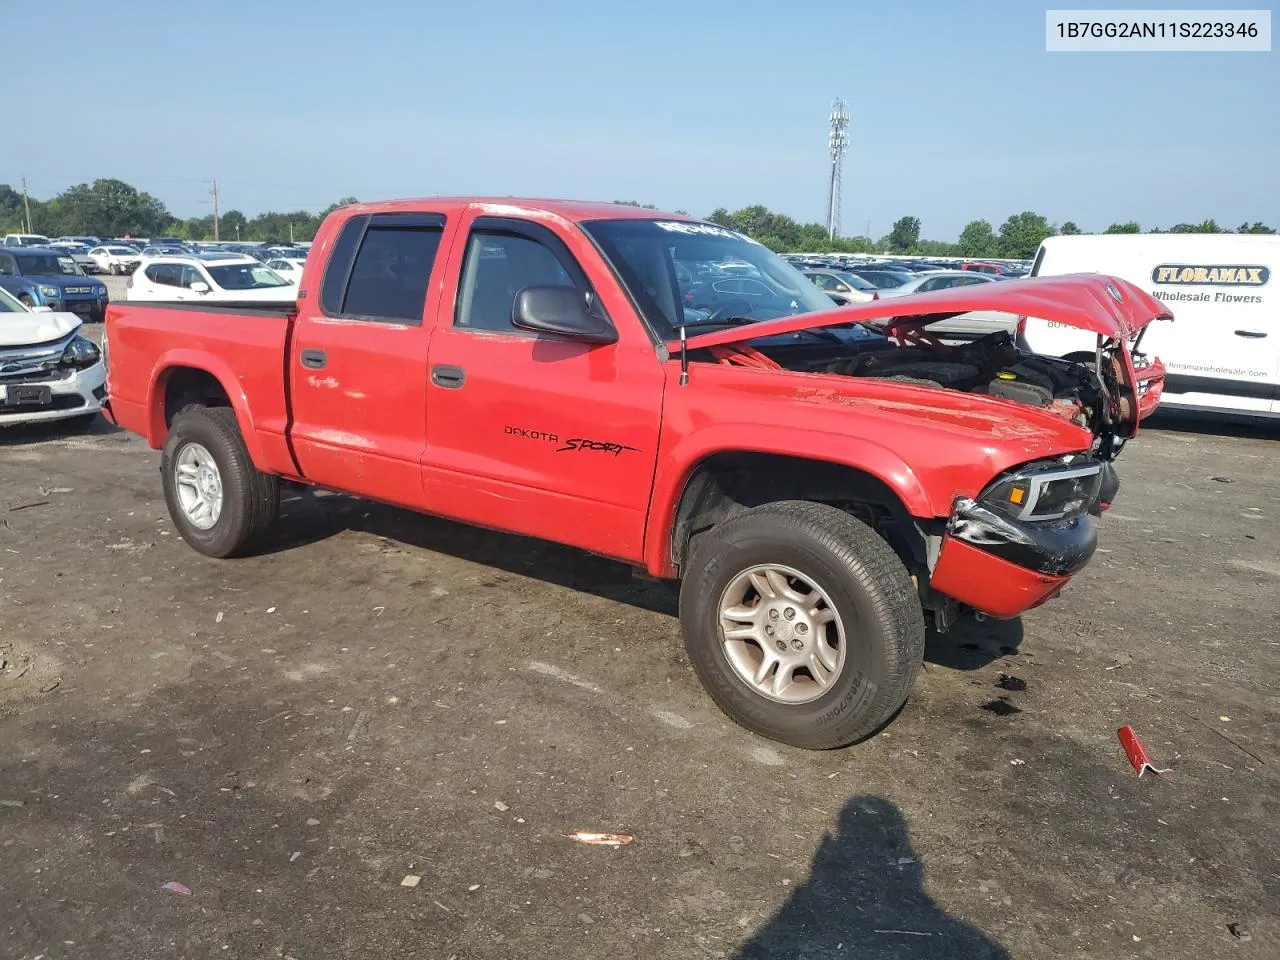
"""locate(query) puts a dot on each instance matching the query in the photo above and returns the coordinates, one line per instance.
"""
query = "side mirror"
(563, 311)
(199, 286)
(839, 299)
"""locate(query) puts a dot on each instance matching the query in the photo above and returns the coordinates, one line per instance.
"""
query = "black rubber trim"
(1180, 383)
(1055, 547)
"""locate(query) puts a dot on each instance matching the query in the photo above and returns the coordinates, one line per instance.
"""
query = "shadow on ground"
(23, 434)
(1214, 424)
(309, 516)
(865, 898)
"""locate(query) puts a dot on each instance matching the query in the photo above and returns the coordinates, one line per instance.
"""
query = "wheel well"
(727, 484)
(187, 386)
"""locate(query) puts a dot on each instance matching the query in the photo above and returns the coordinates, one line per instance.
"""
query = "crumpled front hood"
(26, 329)
(1106, 305)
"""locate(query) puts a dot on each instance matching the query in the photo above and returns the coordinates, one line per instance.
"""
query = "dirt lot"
(387, 695)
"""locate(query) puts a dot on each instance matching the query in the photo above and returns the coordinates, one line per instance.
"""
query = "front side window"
(498, 266)
(190, 275)
(165, 274)
(7, 269)
(734, 279)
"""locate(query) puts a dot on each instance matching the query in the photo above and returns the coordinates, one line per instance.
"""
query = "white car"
(214, 277)
(25, 240)
(288, 267)
(115, 258)
(48, 371)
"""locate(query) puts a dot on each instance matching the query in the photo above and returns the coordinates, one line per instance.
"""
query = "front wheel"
(802, 623)
(222, 505)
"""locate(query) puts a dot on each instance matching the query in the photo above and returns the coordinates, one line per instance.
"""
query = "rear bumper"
(1002, 566)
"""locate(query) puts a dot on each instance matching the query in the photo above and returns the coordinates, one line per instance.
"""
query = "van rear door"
(1222, 352)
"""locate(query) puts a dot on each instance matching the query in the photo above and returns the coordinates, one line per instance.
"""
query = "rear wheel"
(221, 504)
(26, 300)
(802, 623)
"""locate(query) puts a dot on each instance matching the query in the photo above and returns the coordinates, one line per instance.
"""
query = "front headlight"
(1045, 491)
(53, 293)
(81, 353)
(101, 293)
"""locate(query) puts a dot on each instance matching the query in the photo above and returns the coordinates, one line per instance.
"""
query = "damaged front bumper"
(1003, 566)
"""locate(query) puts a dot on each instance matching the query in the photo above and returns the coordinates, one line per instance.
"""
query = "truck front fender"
(220, 370)
(677, 465)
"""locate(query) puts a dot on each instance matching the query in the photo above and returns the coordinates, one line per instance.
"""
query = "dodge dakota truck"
(669, 393)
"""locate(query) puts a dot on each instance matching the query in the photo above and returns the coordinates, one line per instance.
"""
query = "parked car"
(25, 240)
(966, 325)
(83, 241)
(115, 258)
(881, 279)
(529, 366)
(849, 287)
(39, 276)
(77, 252)
(163, 250)
(1223, 354)
(48, 370)
(226, 278)
(288, 267)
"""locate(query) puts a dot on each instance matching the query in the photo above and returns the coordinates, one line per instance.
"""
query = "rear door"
(358, 361)
(534, 433)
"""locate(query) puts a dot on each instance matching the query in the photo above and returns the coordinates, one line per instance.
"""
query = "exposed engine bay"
(992, 365)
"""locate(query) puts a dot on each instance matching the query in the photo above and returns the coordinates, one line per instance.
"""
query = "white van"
(1222, 350)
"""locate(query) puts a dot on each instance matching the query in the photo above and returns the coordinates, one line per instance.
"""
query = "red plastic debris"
(1136, 751)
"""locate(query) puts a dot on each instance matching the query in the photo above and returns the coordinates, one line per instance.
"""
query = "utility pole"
(26, 205)
(215, 210)
(837, 143)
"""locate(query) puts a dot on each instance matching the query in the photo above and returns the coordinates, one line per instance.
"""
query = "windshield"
(246, 276)
(857, 282)
(46, 265)
(8, 304)
(121, 251)
(682, 272)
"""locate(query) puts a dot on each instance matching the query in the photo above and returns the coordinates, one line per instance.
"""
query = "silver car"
(966, 325)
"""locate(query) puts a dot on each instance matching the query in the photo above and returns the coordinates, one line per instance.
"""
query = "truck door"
(534, 433)
(358, 361)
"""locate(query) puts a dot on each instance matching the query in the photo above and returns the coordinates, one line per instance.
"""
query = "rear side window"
(381, 266)
(166, 274)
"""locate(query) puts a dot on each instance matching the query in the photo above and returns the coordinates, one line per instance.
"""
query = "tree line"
(113, 208)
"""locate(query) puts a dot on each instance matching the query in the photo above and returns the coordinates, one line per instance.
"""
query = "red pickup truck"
(669, 393)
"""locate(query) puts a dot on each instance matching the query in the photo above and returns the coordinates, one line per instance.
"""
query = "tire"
(26, 300)
(250, 499)
(864, 582)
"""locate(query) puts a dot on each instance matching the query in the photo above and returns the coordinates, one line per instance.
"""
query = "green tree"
(233, 225)
(1021, 234)
(904, 235)
(977, 239)
(1130, 227)
(108, 208)
(1257, 227)
(1069, 229)
(1204, 226)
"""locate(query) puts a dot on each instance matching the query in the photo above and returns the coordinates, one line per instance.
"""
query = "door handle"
(314, 359)
(1251, 334)
(451, 378)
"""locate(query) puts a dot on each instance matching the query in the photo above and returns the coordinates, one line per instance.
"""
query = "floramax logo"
(1231, 276)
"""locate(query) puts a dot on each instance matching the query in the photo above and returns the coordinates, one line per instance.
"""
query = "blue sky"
(958, 112)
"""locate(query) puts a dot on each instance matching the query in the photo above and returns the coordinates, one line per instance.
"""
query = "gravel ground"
(386, 695)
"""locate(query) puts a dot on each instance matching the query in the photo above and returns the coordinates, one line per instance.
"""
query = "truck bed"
(161, 355)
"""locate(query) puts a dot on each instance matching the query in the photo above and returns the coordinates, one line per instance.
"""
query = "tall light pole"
(837, 143)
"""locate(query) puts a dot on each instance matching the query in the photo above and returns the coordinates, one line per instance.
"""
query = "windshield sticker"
(702, 230)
